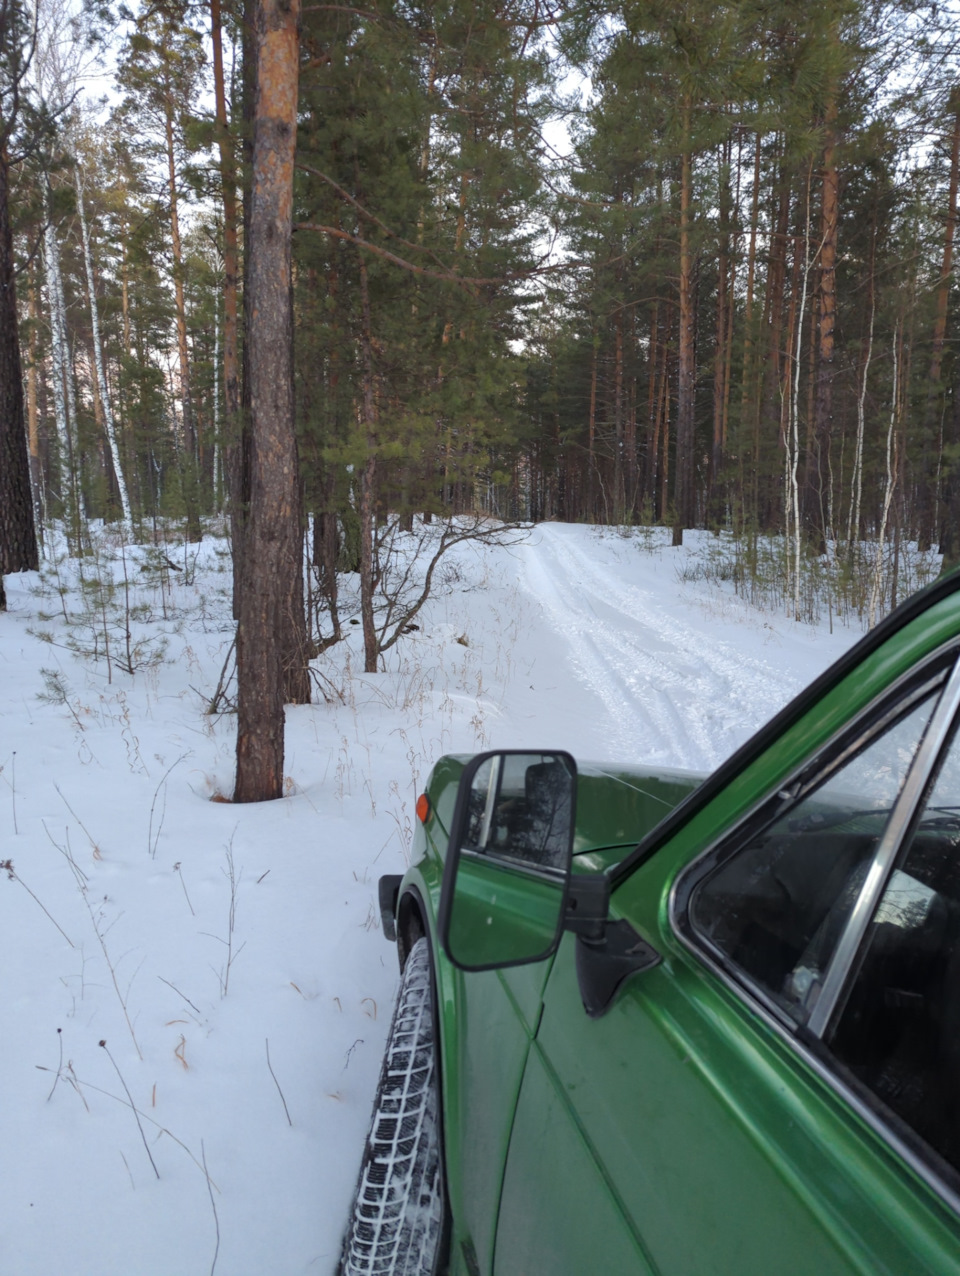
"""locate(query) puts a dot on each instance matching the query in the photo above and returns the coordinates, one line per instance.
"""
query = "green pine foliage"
(488, 308)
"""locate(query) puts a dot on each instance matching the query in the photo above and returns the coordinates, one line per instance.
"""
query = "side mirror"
(507, 871)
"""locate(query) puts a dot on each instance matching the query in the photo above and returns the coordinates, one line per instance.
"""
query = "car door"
(767, 1098)
(498, 1016)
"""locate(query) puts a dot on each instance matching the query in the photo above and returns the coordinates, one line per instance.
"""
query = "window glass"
(778, 905)
(900, 1030)
(520, 809)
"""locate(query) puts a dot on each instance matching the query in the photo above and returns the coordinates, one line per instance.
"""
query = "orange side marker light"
(423, 808)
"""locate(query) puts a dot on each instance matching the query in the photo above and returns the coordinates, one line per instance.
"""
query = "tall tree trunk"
(629, 426)
(18, 536)
(101, 380)
(189, 466)
(619, 459)
(240, 466)
(772, 381)
(63, 396)
(722, 344)
(232, 426)
(818, 499)
(950, 528)
(653, 391)
(592, 432)
(685, 491)
(793, 437)
(368, 480)
(271, 568)
(927, 493)
(856, 477)
(891, 478)
(125, 287)
(664, 418)
(748, 483)
(33, 416)
(215, 424)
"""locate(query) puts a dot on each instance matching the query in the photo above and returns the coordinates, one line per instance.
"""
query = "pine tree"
(271, 599)
(20, 131)
(161, 71)
(419, 180)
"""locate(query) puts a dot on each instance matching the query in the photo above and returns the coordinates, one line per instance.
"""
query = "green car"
(655, 1023)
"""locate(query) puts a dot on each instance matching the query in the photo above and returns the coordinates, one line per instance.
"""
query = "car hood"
(618, 805)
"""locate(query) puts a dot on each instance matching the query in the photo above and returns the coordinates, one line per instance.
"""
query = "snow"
(116, 926)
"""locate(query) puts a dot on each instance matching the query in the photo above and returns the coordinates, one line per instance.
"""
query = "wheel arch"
(412, 925)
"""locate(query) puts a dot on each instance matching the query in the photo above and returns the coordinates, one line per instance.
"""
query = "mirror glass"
(509, 859)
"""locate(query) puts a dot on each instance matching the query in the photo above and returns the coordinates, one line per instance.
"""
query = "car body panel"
(574, 1214)
(772, 1176)
(683, 1122)
(488, 1019)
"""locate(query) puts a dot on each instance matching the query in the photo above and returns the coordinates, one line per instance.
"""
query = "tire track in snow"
(674, 693)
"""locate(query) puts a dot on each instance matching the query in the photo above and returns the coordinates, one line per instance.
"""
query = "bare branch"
(365, 212)
(447, 276)
(342, 8)
(454, 533)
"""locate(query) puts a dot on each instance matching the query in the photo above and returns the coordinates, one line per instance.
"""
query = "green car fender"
(615, 807)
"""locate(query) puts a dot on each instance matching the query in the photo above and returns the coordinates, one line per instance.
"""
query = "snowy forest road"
(680, 686)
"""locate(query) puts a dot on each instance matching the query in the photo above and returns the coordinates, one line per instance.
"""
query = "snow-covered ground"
(196, 994)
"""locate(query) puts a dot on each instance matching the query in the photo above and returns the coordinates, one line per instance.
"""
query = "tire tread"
(397, 1220)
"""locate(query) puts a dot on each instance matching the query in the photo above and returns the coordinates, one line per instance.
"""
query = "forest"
(629, 263)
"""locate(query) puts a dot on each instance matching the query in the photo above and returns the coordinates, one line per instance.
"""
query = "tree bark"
(232, 425)
(368, 475)
(926, 494)
(773, 379)
(190, 466)
(18, 536)
(591, 509)
(856, 478)
(950, 524)
(100, 383)
(721, 363)
(271, 567)
(817, 500)
(619, 446)
(33, 416)
(748, 418)
(685, 493)
(64, 406)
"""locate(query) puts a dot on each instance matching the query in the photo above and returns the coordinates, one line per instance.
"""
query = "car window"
(899, 1033)
(777, 906)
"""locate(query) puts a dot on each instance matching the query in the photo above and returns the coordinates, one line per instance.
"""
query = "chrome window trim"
(517, 865)
(749, 994)
(843, 962)
(493, 788)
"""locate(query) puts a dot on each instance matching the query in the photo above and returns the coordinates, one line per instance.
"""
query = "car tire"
(397, 1226)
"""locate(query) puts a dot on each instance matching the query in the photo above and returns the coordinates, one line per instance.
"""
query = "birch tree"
(102, 388)
(63, 387)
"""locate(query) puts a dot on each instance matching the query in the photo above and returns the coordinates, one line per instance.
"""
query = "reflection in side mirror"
(508, 862)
